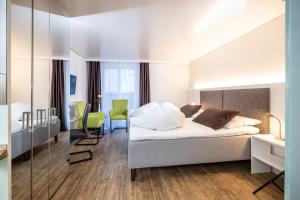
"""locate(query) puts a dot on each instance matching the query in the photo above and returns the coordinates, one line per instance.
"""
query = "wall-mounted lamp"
(279, 122)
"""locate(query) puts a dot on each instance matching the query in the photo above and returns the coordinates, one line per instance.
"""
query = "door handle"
(51, 115)
(26, 117)
(41, 117)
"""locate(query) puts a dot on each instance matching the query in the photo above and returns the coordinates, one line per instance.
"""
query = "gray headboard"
(254, 103)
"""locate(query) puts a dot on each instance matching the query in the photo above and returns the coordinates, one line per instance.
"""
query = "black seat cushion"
(77, 134)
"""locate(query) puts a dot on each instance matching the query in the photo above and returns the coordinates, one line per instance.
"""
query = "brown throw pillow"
(190, 110)
(215, 118)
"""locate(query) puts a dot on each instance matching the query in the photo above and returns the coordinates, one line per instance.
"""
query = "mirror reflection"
(39, 141)
(21, 103)
(4, 166)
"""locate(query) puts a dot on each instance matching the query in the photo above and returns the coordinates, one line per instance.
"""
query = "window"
(119, 81)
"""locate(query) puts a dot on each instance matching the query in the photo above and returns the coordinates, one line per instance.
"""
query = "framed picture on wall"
(73, 80)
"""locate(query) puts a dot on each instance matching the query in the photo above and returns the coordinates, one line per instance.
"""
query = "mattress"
(189, 130)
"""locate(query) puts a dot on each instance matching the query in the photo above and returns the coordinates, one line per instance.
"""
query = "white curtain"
(119, 81)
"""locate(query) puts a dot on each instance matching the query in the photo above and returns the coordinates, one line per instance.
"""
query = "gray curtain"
(94, 84)
(144, 84)
(58, 91)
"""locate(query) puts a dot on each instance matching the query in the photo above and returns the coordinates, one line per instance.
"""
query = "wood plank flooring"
(107, 177)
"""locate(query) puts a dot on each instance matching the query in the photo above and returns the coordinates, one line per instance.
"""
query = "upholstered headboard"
(254, 103)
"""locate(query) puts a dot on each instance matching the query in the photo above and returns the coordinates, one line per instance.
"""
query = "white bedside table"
(267, 154)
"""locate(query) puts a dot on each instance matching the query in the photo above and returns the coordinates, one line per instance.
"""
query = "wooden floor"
(107, 177)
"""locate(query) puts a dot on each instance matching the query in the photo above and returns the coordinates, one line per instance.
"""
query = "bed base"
(21, 141)
(162, 153)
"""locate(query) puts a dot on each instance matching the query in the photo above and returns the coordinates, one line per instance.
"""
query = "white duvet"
(165, 116)
(189, 130)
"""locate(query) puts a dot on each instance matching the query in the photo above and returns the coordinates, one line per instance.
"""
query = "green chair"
(119, 111)
(95, 119)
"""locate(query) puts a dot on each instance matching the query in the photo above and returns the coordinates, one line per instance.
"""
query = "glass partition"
(40, 99)
(59, 144)
(3, 70)
(4, 170)
(21, 101)
(39, 149)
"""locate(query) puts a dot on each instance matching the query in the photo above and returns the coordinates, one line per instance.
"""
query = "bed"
(148, 148)
(21, 138)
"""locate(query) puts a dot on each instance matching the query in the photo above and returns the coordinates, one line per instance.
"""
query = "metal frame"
(271, 181)
(112, 130)
(82, 160)
(91, 138)
(87, 133)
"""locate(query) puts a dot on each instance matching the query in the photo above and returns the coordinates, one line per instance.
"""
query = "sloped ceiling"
(162, 30)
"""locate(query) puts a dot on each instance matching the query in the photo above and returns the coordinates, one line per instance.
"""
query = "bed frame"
(254, 103)
(21, 141)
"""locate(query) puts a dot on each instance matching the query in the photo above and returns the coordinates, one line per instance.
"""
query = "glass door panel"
(3, 52)
(59, 147)
(39, 150)
(40, 95)
(21, 101)
(3, 88)
(4, 170)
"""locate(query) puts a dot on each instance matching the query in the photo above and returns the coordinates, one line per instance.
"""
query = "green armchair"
(95, 119)
(119, 111)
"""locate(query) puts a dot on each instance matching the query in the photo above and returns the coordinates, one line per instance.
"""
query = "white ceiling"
(162, 30)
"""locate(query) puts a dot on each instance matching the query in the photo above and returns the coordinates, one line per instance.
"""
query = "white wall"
(169, 82)
(78, 67)
(256, 59)
(21, 53)
(21, 82)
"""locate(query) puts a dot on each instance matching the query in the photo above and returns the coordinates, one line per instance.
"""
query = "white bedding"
(165, 116)
(189, 130)
(16, 127)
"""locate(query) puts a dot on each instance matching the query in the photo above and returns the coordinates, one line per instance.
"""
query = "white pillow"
(165, 117)
(169, 107)
(240, 121)
(144, 109)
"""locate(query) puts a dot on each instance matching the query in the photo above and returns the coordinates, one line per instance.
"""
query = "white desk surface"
(269, 138)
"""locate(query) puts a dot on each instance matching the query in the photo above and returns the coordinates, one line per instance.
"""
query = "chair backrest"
(85, 117)
(120, 104)
(83, 129)
(80, 106)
